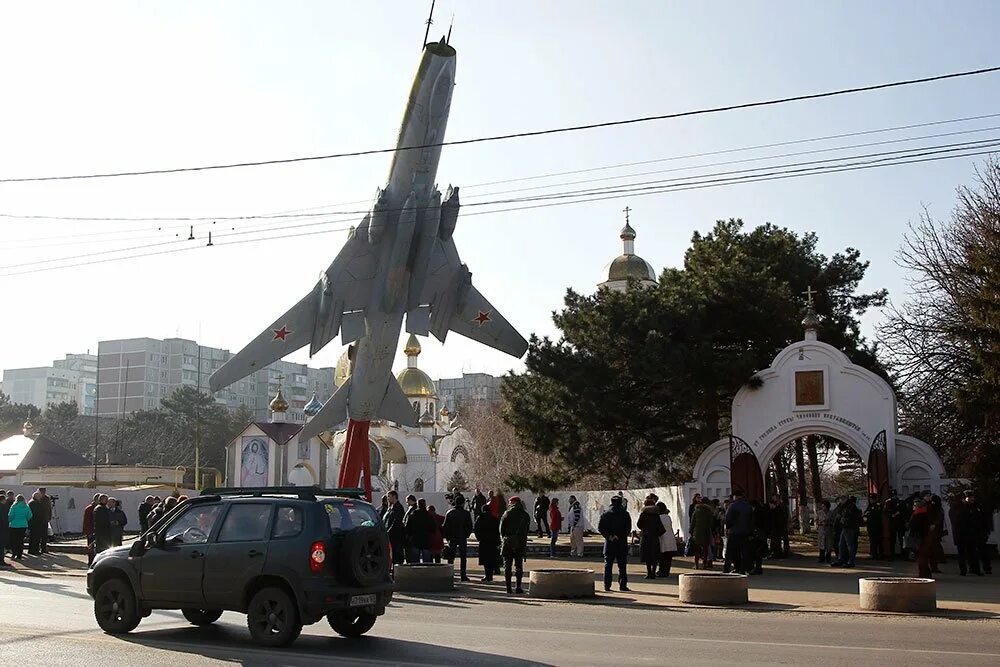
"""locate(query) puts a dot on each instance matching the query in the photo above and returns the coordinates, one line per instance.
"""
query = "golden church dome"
(416, 383)
(624, 267)
(278, 403)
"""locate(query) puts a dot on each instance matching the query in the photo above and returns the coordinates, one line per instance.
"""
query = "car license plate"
(362, 600)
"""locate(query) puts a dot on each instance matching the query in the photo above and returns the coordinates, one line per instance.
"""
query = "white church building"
(420, 459)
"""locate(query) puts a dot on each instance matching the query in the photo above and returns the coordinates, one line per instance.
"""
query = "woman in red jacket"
(555, 525)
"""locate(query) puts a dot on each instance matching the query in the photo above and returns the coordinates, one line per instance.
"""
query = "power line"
(593, 197)
(306, 212)
(520, 135)
(628, 187)
(637, 187)
(294, 214)
(741, 149)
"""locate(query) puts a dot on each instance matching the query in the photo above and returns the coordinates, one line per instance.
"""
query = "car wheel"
(202, 616)
(351, 623)
(272, 618)
(115, 607)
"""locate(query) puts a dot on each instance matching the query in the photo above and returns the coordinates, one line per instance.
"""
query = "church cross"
(626, 211)
(809, 295)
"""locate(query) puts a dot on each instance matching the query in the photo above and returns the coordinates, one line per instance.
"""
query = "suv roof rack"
(300, 492)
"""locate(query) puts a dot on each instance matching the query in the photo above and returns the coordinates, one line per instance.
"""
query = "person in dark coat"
(487, 529)
(873, 522)
(457, 529)
(437, 538)
(758, 539)
(37, 526)
(514, 528)
(850, 525)
(615, 526)
(393, 522)
(542, 514)
(102, 525)
(478, 503)
(4, 526)
(650, 528)
(779, 528)
(420, 529)
(739, 529)
(145, 507)
(965, 528)
(88, 527)
(46, 508)
(409, 552)
(118, 521)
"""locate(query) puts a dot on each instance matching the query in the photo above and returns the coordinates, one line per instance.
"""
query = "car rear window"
(346, 515)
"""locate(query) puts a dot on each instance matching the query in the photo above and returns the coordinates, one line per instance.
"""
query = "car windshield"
(345, 515)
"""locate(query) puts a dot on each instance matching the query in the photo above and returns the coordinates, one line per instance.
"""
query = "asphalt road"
(49, 621)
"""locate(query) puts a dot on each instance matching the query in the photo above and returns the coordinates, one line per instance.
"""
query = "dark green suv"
(284, 556)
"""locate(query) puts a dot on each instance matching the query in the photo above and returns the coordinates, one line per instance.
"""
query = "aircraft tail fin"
(396, 406)
(333, 412)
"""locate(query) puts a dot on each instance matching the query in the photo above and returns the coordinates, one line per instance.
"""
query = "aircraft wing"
(456, 305)
(285, 335)
(314, 320)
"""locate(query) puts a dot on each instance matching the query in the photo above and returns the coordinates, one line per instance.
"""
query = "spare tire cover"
(364, 556)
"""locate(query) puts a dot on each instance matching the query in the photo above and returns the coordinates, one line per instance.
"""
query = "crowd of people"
(418, 534)
(20, 519)
(912, 529)
(740, 532)
(104, 520)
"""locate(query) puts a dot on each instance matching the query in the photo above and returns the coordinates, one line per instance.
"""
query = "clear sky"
(90, 87)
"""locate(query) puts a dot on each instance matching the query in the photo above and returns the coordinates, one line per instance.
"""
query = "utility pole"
(97, 412)
(197, 429)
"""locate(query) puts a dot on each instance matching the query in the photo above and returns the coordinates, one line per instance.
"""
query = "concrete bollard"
(714, 588)
(554, 583)
(906, 594)
(424, 578)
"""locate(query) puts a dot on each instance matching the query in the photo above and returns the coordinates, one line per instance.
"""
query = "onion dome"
(624, 267)
(28, 428)
(415, 382)
(811, 321)
(628, 264)
(313, 406)
(278, 403)
(427, 419)
(412, 348)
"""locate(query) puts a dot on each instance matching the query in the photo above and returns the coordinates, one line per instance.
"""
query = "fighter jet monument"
(399, 264)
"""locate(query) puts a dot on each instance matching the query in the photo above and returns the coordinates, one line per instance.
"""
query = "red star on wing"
(282, 333)
(482, 318)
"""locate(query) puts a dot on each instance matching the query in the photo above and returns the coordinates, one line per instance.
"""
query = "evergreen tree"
(640, 382)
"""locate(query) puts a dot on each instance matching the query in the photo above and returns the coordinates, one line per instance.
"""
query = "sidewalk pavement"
(796, 584)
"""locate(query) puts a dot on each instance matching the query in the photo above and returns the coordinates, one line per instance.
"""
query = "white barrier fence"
(69, 503)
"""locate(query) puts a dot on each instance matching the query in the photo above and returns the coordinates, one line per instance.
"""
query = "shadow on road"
(230, 643)
(45, 585)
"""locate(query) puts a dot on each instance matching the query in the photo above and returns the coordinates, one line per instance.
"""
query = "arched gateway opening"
(813, 389)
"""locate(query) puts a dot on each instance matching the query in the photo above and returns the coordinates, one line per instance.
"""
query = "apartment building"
(138, 373)
(66, 380)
